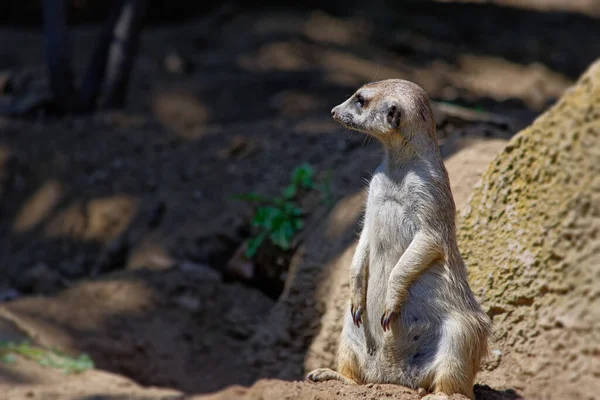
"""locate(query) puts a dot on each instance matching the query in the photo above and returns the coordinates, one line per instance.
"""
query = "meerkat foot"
(326, 374)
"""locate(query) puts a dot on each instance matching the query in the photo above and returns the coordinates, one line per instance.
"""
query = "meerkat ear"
(393, 116)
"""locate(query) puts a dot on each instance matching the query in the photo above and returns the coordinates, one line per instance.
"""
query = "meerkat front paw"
(356, 309)
(358, 300)
(356, 312)
(391, 311)
(386, 319)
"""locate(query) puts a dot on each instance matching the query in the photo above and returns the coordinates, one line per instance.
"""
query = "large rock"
(531, 238)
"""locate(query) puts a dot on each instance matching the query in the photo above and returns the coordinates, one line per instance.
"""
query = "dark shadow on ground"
(484, 392)
(427, 30)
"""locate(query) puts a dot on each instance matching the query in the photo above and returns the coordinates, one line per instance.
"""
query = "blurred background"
(166, 165)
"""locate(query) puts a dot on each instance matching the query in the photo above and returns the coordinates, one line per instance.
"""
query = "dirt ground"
(116, 228)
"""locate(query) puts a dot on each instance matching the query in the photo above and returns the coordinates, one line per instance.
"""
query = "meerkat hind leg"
(326, 374)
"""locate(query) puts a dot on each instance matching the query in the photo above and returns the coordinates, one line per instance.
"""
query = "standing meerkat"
(413, 319)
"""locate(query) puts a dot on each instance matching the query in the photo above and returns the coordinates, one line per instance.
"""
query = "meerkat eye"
(360, 101)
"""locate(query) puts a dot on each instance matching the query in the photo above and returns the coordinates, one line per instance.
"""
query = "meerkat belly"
(391, 231)
(405, 354)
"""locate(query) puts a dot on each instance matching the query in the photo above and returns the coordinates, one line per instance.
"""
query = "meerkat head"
(389, 110)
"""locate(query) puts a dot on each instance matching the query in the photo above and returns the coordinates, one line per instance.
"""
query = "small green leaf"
(280, 218)
(279, 238)
(291, 210)
(255, 243)
(290, 191)
(288, 230)
(9, 358)
(280, 201)
(303, 176)
(265, 216)
(298, 224)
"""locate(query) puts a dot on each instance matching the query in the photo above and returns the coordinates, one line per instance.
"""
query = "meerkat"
(412, 319)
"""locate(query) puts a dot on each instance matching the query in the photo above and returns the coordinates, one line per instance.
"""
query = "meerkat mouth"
(348, 122)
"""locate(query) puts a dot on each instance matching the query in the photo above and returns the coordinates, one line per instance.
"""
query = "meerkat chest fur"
(396, 200)
(389, 220)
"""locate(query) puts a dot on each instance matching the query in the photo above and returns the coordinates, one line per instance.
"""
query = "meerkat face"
(387, 108)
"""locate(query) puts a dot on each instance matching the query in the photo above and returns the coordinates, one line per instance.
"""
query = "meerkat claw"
(386, 320)
(356, 315)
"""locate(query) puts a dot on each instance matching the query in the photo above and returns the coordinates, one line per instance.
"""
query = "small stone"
(239, 266)
(150, 184)
(5, 84)
(199, 271)
(188, 302)
(238, 147)
(140, 345)
(42, 279)
(174, 63)
(8, 294)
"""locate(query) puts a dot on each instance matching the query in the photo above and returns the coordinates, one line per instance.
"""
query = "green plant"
(280, 218)
(51, 358)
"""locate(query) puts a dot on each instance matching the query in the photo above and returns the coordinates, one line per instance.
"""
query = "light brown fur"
(412, 319)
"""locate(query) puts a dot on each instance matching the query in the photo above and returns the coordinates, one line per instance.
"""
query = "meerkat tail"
(454, 369)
